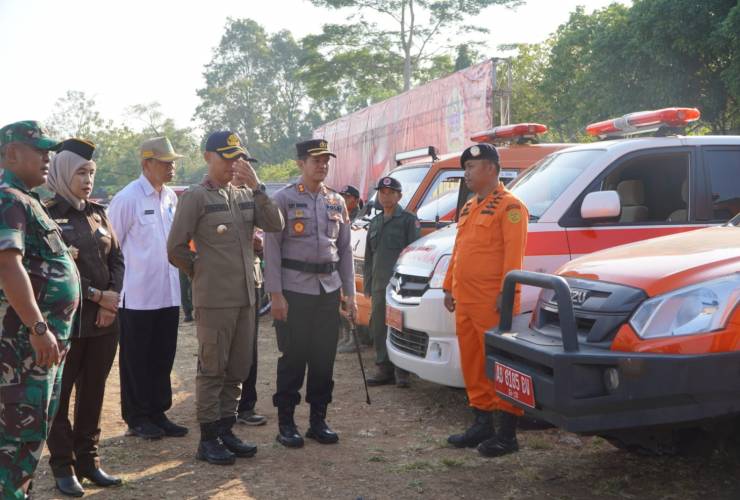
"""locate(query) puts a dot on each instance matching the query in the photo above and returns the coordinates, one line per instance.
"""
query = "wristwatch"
(90, 293)
(39, 328)
(261, 188)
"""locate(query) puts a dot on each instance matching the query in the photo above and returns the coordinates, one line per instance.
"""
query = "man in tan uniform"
(219, 215)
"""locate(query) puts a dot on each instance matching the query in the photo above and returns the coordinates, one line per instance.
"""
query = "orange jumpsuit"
(490, 242)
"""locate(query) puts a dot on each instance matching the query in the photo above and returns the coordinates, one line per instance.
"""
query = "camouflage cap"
(158, 148)
(28, 132)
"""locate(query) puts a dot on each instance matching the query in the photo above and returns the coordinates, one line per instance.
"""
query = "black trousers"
(248, 399)
(86, 368)
(307, 339)
(148, 345)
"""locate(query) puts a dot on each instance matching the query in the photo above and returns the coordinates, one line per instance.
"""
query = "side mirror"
(601, 205)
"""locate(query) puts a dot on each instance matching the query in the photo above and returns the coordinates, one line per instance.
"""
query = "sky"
(130, 52)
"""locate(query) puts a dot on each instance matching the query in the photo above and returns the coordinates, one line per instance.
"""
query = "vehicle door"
(656, 191)
(718, 189)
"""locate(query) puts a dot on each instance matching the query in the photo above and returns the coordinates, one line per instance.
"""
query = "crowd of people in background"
(79, 280)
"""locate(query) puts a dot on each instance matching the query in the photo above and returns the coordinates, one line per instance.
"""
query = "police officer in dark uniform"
(73, 446)
(306, 266)
(388, 234)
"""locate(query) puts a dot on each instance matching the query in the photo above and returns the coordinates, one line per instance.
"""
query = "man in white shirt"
(141, 214)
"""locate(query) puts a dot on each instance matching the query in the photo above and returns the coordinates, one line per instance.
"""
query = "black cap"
(314, 147)
(80, 147)
(227, 144)
(388, 182)
(482, 151)
(350, 190)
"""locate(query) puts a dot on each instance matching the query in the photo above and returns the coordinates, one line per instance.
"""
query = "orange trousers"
(472, 321)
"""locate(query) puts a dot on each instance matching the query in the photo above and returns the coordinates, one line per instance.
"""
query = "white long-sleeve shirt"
(141, 218)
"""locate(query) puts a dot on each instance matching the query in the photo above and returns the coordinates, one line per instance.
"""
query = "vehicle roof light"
(416, 153)
(644, 121)
(509, 132)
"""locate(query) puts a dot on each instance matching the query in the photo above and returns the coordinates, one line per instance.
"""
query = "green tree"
(253, 88)
(75, 115)
(420, 27)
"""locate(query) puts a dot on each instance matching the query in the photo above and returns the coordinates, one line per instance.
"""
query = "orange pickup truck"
(639, 344)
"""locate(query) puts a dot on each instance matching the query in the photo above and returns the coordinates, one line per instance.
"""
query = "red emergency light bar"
(644, 121)
(509, 132)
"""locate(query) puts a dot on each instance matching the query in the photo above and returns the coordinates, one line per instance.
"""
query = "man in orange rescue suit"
(490, 241)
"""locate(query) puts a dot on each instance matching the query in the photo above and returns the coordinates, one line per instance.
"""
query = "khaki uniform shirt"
(220, 221)
(317, 231)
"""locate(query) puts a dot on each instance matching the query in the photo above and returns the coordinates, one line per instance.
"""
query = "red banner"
(443, 113)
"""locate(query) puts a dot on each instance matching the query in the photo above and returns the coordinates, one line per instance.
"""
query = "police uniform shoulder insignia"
(301, 188)
(514, 215)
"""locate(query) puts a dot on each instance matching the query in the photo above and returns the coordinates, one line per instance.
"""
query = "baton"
(353, 332)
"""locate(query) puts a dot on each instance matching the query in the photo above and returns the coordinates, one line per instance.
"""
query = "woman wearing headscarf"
(85, 228)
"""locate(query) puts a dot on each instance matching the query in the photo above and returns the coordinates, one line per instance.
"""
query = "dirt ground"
(393, 449)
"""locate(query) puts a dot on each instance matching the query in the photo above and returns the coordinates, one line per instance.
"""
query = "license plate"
(514, 384)
(394, 318)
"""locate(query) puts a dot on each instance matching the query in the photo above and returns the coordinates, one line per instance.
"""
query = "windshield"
(444, 206)
(542, 185)
(410, 178)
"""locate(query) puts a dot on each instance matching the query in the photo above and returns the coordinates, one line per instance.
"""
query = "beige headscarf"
(62, 170)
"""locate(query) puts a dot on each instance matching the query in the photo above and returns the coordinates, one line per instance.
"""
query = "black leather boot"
(504, 442)
(288, 432)
(233, 443)
(318, 429)
(210, 448)
(481, 430)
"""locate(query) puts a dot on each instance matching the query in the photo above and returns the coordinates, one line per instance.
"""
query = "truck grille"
(600, 309)
(410, 341)
(407, 286)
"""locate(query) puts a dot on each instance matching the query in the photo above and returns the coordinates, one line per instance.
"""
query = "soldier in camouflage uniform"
(42, 287)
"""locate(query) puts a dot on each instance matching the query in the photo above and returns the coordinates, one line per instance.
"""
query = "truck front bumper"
(594, 390)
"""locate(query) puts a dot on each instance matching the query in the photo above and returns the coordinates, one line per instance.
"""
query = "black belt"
(309, 267)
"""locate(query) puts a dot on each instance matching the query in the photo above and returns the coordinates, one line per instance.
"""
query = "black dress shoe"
(101, 478)
(146, 430)
(170, 428)
(70, 486)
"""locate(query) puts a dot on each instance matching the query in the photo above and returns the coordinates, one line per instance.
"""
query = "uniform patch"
(299, 227)
(209, 209)
(486, 212)
(297, 205)
(148, 212)
(245, 205)
(61, 221)
(513, 206)
(299, 213)
(336, 208)
(301, 188)
(514, 216)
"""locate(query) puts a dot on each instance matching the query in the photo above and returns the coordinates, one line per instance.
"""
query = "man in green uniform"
(40, 282)
(388, 234)
(219, 216)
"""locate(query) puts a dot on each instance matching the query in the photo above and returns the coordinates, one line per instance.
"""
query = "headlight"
(440, 270)
(695, 309)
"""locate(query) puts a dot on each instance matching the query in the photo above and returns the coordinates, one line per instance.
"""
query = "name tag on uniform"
(148, 212)
(61, 221)
(216, 208)
(336, 208)
(297, 205)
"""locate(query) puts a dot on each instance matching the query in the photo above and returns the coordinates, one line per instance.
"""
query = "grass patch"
(377, 458)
